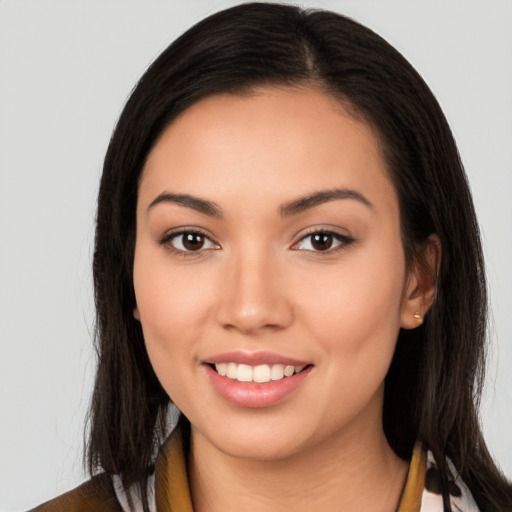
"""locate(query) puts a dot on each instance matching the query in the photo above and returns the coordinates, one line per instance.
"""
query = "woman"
(287, 249)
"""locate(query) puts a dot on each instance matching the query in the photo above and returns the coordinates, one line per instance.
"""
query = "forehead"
(274, 143)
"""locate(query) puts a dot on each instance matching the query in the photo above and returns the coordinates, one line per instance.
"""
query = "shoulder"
(461, 498)
(95, 494)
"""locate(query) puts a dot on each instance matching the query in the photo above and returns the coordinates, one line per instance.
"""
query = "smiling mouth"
(261, 373)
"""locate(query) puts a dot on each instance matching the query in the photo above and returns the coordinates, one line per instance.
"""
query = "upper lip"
(254, 358)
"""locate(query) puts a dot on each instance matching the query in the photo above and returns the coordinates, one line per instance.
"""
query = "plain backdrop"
(66, 68)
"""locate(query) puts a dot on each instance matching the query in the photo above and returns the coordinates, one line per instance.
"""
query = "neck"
(349, 473)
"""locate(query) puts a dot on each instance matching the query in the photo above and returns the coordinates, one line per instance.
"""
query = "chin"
(258, 441)
(275, 450)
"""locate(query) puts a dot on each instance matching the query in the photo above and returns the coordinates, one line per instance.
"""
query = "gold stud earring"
(418, 317)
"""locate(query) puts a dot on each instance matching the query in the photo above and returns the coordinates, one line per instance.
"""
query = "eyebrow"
(286, 210)
(201, 205)
(324, 196)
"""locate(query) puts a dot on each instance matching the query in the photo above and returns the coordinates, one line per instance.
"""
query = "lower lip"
(254, 394)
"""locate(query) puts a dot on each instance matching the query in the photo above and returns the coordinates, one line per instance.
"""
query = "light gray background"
(66, 68)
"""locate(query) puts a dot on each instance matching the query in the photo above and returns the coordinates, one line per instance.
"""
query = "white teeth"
(222, 368)
(244, 373)
(289, 371)
(277, 372)
(261, 373)
(232, 370)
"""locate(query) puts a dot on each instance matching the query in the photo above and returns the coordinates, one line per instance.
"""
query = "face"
(269, 271)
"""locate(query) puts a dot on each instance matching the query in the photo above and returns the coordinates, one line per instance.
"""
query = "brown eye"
(322, 241)
(188, 242)
(193, 241)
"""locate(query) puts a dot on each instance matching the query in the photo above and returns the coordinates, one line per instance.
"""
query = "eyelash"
(167, 239)
(344, 241)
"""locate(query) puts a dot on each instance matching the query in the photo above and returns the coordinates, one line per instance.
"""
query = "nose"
(253, 296)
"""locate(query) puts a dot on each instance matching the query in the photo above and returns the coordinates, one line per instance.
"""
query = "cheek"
(354, 315)
(173, 310)
(357, 300)
(166, 289)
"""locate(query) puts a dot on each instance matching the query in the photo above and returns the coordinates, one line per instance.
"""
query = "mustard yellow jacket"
(169, 489)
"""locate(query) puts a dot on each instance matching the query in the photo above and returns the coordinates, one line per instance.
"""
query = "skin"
(258, 284)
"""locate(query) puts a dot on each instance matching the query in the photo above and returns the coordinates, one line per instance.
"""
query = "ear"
(136, 313)
(421, 286)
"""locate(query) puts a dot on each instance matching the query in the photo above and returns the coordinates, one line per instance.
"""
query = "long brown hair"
(434, 383)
